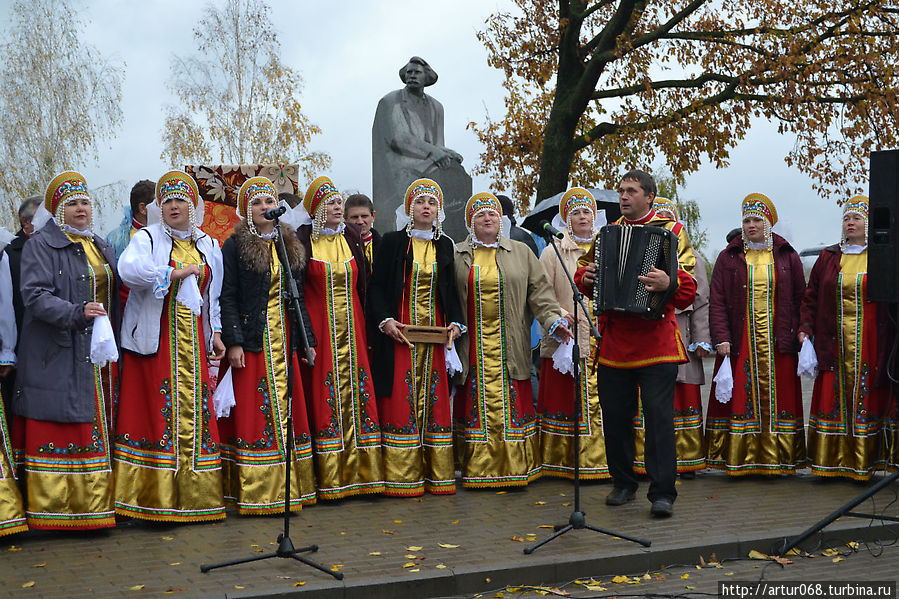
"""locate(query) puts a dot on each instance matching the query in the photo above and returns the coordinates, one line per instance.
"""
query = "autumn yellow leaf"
(546, 526)
(175, 564)
(830, 552)
(728, 573)
(409, 565)
(388, 532)
(686, 586)
(447, 546)
(410, 556)
(498, 596)
(539, 503)
(40, 565)
(620, 579)
(501, 492)
(397, 521)
(13, 549)
(454, 522)
(633, 581)
(299, 584)
(440, 566)
(594, 587)
(757, 555)
(837, 560)
(28, 585)
(136, 587)
(336, 567)
(685, 576)
(647, 576)
(414, 548)
(852, 545)
(237, 586)
(415, 570)
(517, 538)
(375, 553)
(566, 504)
(783, 561)
(168, 538)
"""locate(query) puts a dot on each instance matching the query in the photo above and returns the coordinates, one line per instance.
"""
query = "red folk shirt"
(630, 340)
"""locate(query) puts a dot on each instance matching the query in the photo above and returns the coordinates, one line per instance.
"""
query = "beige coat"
(694, 326)
(562, 290)
(527, 293)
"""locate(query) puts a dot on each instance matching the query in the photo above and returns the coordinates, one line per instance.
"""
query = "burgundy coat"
(727, 301)
(818, 316)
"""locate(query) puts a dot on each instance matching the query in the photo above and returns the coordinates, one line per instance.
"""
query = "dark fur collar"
(256, 255)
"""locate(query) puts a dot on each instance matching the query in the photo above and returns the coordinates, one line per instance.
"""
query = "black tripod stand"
(578, 519)
(286, 548)
(846, 509)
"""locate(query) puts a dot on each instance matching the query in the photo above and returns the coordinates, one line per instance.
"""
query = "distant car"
(808, 257)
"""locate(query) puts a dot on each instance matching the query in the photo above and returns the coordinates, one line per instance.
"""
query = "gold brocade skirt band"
(12, 512)
(688, 435)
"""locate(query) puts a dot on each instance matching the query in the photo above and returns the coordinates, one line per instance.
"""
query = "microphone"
(273, 213)
(548, 229)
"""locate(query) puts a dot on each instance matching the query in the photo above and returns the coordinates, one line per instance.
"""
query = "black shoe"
(663, 508)
(687, 475)
(619, 497)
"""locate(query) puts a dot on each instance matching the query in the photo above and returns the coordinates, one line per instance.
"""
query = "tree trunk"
(557, 155)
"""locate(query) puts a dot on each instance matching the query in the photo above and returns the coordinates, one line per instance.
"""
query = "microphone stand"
(286, 547)
(578, 518)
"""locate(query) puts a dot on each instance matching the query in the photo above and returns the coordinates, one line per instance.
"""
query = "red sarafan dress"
(168, 466)
(343, 412)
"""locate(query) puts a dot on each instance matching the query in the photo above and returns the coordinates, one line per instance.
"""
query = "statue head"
(417, 73)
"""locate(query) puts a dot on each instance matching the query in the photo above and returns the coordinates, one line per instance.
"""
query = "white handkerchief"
(808, 360)
(563, 359)
(453, 363)
(103, 347)
(223, 398)
(189, 294)
(724, 381)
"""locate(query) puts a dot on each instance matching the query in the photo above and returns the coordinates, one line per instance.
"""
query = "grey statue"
(407, 144)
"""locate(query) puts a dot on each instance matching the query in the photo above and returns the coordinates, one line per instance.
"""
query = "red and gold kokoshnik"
(318, 193)
(64, 187)
(177, 185)
(576, 197)
(252, 188)
(758, 204)
(422, 187)
(478, 202)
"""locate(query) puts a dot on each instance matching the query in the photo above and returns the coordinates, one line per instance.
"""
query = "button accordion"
(625, 252)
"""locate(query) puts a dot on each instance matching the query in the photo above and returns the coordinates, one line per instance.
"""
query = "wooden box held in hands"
(420, 334)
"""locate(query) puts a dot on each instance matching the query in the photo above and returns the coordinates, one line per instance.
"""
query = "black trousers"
(618, 389)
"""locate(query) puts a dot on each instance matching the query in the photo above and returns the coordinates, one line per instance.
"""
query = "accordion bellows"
(625, 252)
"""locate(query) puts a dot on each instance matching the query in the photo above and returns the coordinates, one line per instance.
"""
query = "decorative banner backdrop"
(219, 185)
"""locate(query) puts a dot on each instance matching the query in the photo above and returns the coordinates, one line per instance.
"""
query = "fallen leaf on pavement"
(136, 587)
(28, 585)
(13, 549)
(517, 538)
(546, 526)
(175, 564)
(685, 576)
(783, 561)
(454, 522)
(837, 560)
(409, 564)
(237, 586)
(375, 553)
(40, 565)
(299, 584)
(414, 548)
(336, 567)
(415, 570)
(168, 538)
(620, 578)
(539, 503)
(440, 566)
(397, 521)
(647, 576)
(447, 546)
(501, 493)
(757, 555)
(388, 532)
(566, 504)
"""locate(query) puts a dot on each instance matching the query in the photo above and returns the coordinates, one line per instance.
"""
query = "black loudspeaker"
(883, 227)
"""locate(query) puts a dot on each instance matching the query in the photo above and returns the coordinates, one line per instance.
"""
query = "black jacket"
(393, 264)
(245, 287)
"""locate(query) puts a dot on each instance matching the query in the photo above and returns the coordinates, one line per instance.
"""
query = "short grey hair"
(28, 207)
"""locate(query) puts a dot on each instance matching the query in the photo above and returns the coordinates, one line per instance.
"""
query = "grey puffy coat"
(55, 378)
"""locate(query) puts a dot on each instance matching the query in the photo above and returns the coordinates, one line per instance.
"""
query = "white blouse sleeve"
(138, 268)
(7, 315)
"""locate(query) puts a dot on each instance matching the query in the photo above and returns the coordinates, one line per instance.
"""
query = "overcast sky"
(349, 54)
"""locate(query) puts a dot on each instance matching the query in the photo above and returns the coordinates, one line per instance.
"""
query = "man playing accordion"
(639, 354)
